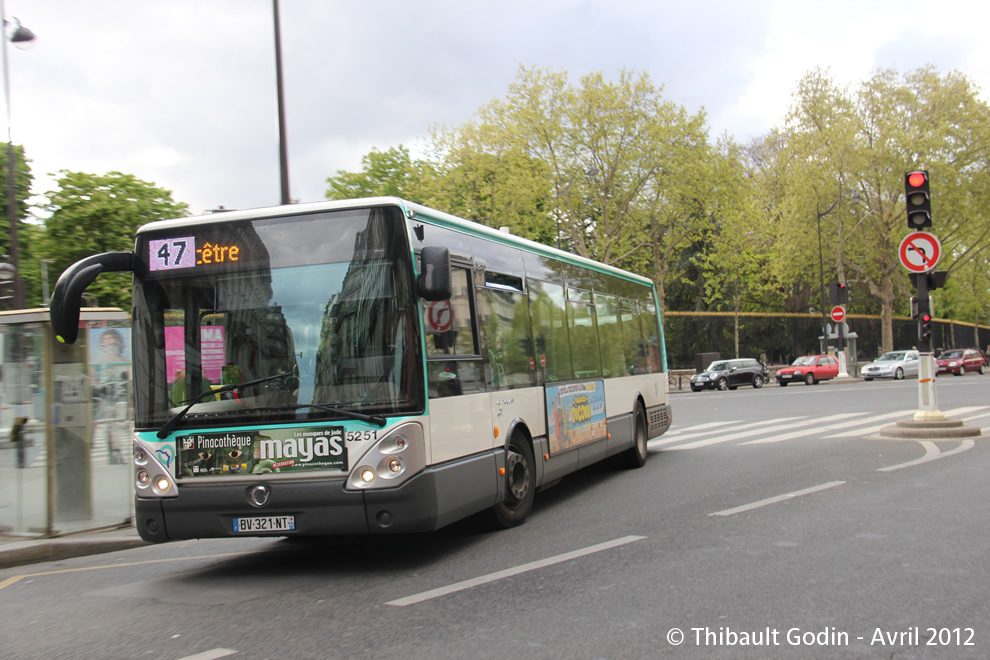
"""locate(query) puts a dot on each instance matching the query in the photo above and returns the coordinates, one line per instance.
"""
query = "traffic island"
(935, 430)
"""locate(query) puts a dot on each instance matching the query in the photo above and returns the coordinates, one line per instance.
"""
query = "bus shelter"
(65, 434)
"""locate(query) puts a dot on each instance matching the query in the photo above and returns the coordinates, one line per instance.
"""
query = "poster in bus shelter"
(253, 452)
(575, 414)
(109, 356)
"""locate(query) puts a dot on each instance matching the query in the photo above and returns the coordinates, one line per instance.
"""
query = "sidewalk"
(20, 550)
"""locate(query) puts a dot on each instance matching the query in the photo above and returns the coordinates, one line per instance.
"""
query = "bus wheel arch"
(520, 480)
(635, 456)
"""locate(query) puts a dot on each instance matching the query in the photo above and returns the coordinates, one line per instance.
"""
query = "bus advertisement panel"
(251, 452)
(575, 414)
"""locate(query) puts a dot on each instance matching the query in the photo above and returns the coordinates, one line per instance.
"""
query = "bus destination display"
(175, 253)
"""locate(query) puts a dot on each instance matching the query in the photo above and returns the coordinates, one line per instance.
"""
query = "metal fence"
(782, 337)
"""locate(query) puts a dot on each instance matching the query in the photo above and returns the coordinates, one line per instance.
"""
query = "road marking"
(758, 430)
(778, 498)
(212, 654)
(814, 429)
(932, 453)
(509, 572)
(964, 411)
(17, 578)
(869, 430)
(690, 432)
(699, 427)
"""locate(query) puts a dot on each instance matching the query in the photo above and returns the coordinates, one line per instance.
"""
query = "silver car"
(895, 364)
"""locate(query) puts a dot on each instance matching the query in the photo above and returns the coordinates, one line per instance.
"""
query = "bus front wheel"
(520, 486)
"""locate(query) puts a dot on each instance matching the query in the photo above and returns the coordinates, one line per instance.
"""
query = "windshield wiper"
(377, 420)
(174, 420)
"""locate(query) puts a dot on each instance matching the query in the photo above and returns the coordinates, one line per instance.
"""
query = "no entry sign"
(838, 313)
(920, 251)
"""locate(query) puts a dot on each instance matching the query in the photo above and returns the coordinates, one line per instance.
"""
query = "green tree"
(22, 190)
(737, 246)
(23, 179)
(383, 173)
(90, 214)
(847, 150)
(504, 189)
(608, 170)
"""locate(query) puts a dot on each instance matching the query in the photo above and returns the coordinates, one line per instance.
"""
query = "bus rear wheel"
(635, 456)
(520, 486)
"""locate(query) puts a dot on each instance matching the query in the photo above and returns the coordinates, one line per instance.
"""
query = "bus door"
(460, 414)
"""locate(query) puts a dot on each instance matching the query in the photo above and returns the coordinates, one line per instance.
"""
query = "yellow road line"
(17, 578)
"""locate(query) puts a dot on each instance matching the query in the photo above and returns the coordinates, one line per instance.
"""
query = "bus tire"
(635, 456)
(520, 484)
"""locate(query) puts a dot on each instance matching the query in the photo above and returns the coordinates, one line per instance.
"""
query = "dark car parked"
(730, 374)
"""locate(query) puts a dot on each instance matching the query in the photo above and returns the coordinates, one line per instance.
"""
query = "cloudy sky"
(181, 93)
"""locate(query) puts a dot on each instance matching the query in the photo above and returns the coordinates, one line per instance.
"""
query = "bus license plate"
(265, 524)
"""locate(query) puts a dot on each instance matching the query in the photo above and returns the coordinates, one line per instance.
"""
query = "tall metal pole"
(15, 253)
(821, 282)
(283, 149)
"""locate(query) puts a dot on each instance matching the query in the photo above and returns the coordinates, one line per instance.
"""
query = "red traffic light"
(926, 318)
(917, 179)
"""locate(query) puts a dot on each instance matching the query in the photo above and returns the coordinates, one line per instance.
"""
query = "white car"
(895, 364)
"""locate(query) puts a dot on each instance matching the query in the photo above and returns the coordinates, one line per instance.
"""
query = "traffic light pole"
(917, 196)
(927, 395)
(838, 293)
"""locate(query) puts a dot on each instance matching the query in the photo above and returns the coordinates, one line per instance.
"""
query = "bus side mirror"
(67, 296)
(434, 278)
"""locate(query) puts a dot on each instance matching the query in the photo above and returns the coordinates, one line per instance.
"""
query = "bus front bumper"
(318, 509)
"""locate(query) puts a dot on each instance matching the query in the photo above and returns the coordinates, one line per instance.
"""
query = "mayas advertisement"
(575, 414)
(252, 452)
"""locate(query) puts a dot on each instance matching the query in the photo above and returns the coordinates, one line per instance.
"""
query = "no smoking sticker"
(439, 315)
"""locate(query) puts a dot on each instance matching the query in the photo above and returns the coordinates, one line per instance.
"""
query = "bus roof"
(410, 210)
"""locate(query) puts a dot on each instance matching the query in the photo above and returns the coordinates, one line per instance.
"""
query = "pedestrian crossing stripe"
(781, 429)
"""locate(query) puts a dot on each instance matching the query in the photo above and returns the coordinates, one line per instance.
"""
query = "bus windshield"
(319, 308)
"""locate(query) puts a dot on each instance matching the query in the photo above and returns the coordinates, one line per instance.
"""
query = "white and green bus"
(370, 366)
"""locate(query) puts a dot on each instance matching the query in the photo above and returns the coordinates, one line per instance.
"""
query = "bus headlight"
(151, 477)
(392, 460)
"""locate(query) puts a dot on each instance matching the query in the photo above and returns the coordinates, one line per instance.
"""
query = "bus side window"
(448, 325)
(453, 363)
(553, 348)
(505, 329)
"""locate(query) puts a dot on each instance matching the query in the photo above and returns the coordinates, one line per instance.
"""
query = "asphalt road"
(763, 525)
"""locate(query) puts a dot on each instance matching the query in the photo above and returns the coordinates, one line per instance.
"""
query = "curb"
(20, 553)
(945, 430)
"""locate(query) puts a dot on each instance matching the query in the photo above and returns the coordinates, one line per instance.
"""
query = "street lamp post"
(821, 272)
(20, 35)
(283, 149)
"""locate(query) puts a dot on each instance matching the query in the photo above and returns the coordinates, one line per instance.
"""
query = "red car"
(810, 369)
(958, 361)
